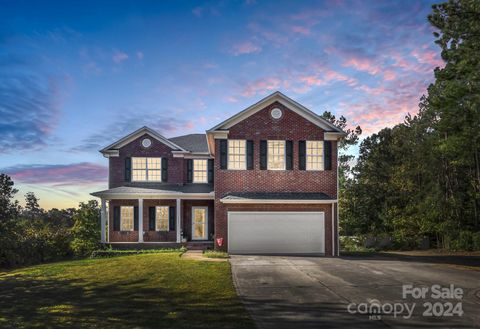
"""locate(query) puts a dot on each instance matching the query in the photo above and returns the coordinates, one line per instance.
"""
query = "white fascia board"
(111, 153)
(144, 130)
(218, 134)
(276, 201)
(192, 155)
(169, 196)
(212, 135)
(333, 136)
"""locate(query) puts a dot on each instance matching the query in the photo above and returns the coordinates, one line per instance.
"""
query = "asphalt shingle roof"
(157, 189)
(192, 142)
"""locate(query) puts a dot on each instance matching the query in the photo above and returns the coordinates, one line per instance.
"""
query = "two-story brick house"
(263, 181)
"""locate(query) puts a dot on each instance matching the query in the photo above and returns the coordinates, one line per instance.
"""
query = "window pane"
(161, 218)
(276, 155)
(126, 218)
(154, 163)
(315, 155)
(146, 169)
(237, 154)
(139, 163)
(200, 171)
(139, 175)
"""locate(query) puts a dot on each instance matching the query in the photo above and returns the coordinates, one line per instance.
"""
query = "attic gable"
(288, 103)
(113, 149)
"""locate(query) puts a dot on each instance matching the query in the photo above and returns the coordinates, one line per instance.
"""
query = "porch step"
(199, 245)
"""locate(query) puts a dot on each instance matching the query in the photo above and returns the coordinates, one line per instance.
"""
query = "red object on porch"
(220, 242)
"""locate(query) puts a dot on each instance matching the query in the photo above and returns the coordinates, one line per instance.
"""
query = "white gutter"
(134, 196)
(275, 201)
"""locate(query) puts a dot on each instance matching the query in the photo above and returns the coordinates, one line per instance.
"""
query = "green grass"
(215, 254)
(140, 291)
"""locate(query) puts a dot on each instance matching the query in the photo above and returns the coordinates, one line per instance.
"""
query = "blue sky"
(77, 75)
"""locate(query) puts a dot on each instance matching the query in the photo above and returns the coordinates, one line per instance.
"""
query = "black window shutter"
(135, 218)
(263, 155)
(116, 218)
(128, 169)
(189, 170)
(327, 153)
(289, 155)
(210, 171)
(223, 154)
(249, 155)
(164, 169)
(171, 218)
(302, 151)
(151, 218)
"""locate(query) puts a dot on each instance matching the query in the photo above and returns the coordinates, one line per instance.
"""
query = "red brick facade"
(261, 126)
(158, 236)
(257, 127)
(176, 166)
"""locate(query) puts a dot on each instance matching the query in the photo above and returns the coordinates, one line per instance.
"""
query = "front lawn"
(141, 291)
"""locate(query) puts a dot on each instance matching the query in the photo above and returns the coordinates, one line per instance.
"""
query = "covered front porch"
(134, 217)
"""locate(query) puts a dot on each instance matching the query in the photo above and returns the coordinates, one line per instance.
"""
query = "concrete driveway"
(315, 292)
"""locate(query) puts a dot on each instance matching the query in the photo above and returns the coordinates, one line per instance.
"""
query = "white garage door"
(276, 232)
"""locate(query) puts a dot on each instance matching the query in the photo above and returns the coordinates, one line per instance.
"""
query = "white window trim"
(146, 169)
(206, 223)
(228, 154)
(206, 171)
(168, 218)
(306, 155)
(284, 155)
(133, 218)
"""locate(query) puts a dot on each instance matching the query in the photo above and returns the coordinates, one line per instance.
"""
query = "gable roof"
(284, 100)
(196, 143)
(113, 148)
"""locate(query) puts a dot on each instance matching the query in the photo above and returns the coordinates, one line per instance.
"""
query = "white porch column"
(140, 220)
(179, 216)
(103, 221)
(333, 229)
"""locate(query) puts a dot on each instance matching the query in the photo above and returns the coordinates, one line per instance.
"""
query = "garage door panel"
(275, 232)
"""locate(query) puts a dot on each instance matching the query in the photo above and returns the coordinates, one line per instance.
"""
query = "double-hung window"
(237, 158)
(276, 155)
(161, 218)
(315, 155)
(146, 169)
(126, 218)
(200, 171)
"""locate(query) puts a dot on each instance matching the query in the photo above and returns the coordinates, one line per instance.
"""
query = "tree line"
(421, 179)
(31, 235)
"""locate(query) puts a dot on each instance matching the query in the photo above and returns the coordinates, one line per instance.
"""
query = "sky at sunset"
(77, 75)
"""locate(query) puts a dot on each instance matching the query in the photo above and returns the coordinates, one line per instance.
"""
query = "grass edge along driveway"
(141, 291)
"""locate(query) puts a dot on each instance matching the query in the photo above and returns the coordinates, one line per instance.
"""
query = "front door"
(199, 223)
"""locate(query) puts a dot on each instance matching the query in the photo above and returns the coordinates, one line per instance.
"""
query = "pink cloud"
(334, 75)
(363, 64)
(311, 80)
(300, 30)
(262, 85)
(119, 57)
(64, 174)
(389, 75)
(139, 55)
(197, 11)
(246, 47)
(428, 57)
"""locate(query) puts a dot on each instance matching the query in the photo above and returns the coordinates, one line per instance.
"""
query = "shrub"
(113, 253)
(215, 254)
(86, 229)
